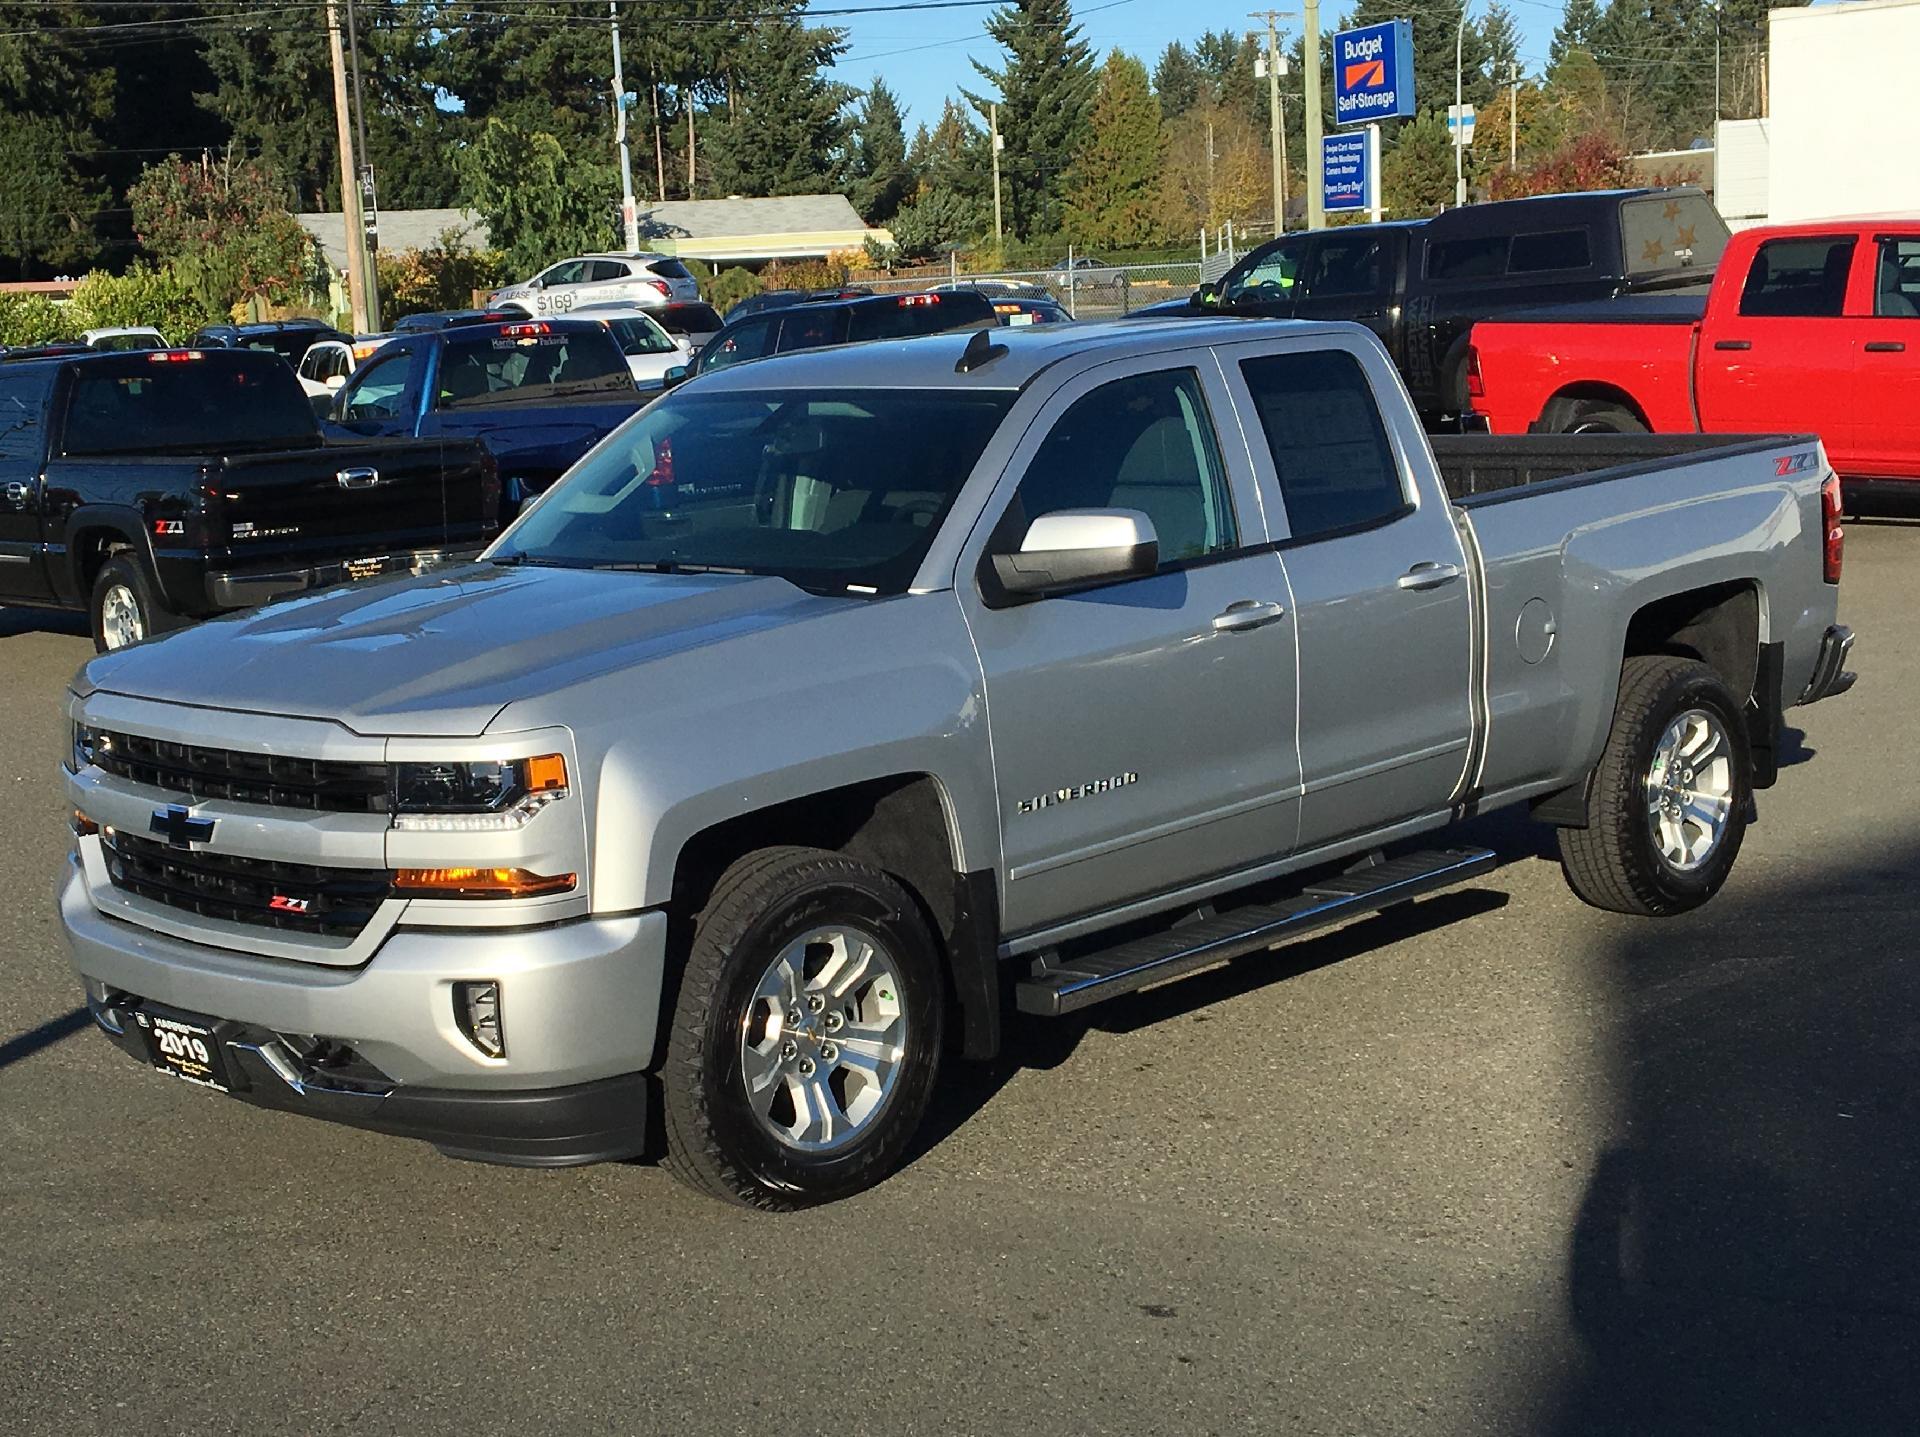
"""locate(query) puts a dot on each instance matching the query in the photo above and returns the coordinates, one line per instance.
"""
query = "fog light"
(476, 1008)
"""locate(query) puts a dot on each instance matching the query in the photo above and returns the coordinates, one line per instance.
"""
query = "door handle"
(1247, 614)
(1733, 344)
(366, 477)
(17, 493)
(1885, 346)
(1429, 574)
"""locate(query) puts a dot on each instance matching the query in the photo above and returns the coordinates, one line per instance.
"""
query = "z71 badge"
(1078, 790)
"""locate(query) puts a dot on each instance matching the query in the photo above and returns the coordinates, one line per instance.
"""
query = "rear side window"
(196, 406)
(23, 404)
(1798, 278)
(1470, 257)
(1896, 289)
(1337, 471)
(605, 271)
(670, 269)
(507, 367)
(1144, 443)
(1555, 249)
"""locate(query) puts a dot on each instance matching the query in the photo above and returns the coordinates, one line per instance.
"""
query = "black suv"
(1421, 285)
(819, 323)
(288, 338)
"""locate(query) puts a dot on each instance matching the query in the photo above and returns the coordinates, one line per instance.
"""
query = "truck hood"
(442, 654)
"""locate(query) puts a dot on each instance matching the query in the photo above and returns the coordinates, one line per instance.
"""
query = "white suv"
(648, 280)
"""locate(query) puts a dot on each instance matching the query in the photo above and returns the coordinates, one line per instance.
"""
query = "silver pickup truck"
(839, 704)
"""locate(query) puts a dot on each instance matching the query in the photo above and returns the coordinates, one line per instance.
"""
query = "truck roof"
(929, 362)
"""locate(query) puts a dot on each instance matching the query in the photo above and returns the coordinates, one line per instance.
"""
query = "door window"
(572, 272)
(381, 389)
(1337, 471)
(1345, 266)
(805, 328)
(1798, 278)
(1269, 277)
(752, 339)
(1144, 443)
(1896, 288)
(22, 403)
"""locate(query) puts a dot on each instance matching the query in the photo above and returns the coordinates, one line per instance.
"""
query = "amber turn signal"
(546, 773)
(82, 825)
(479, 883)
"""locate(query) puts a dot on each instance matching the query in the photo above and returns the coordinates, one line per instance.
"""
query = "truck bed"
(1480, 469)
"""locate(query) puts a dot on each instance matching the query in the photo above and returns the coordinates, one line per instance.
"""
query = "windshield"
(639, 335)
(510, 367)
(222, 403)
(836, 490)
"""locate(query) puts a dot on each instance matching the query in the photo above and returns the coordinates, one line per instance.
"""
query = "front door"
(1380, 585)
(381, 401)
(1887, 359)
(23, 442)
(1263, 284)
(1142, 731)
(1785, 361)
(1352, 276)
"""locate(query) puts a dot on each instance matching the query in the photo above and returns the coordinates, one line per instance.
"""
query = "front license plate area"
(186, 1047)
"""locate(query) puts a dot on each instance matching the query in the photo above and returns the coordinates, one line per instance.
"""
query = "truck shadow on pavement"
(1747, 1255)
(36, 1040)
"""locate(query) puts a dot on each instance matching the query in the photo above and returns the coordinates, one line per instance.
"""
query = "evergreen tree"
(952, 159)
(541, 201)
(1501, 34)
(1046, 91)
(1416, 176)
(1226, 58)
(785, 132)
(1575, 30)
(1177, 81)
(1113, 188)
(879, 178)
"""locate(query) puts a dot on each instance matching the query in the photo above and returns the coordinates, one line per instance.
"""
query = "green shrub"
(144, 295)
(444, 275)
(731, 285)
(33, 319)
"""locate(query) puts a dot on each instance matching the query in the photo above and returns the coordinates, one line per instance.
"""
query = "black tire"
(715, 1142)
(1614, 863)
(1590, 416)
(122, 574)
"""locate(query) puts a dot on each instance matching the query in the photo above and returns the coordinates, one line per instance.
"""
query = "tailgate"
(346, 500)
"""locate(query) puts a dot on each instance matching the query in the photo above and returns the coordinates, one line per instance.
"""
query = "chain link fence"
(1105, 291)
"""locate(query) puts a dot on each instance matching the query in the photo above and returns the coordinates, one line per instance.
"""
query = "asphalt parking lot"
(1498, 1163)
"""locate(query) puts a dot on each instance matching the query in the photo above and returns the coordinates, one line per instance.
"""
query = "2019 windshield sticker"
(1079, 790)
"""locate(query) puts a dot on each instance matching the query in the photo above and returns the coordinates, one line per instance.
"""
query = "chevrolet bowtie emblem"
(179, 827)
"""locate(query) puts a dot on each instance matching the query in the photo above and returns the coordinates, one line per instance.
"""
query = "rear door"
(1379, 585)
(23, 453)
(1887, 356)
(1142, 731)
(1784, 359)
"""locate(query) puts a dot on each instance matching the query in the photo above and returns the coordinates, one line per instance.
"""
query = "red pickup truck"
(1812, 327)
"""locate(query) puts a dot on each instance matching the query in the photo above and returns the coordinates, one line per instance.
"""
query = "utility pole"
(1459, 114)
(1716, 80)
(629, 215)
(371, 270)
(1513, 114)
(993, 127)
(1277, 133)
(1310, 52)
(349, 183)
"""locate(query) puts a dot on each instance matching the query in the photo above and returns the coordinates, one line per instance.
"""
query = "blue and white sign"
(1373, 73)
(1344, 181)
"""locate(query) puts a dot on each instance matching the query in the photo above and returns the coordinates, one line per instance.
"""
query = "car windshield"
(836, 490)
(638, 335)
(525, 362)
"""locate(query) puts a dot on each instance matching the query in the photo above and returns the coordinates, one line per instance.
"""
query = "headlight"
(475, 797)
(86, 743)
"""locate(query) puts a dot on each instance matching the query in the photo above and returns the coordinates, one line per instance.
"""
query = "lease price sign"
(1373, 73)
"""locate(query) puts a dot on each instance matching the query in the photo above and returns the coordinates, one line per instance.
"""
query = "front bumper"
(246, 588)
(579, 1002)
(1830, 676)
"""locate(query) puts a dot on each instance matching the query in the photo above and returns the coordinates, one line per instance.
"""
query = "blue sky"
(923, 55)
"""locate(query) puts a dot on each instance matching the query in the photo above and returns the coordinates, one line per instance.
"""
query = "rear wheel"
(1590, 416)
(807, 1033)
(1670, 796)
(125, 608)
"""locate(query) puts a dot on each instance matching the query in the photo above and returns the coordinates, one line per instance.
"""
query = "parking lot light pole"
(1459, 113)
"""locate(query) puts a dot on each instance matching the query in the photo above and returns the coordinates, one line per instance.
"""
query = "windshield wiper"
(672, 566)
(531, 562)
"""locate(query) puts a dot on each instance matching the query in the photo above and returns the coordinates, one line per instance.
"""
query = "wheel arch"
(94, 534)
(1595, 391)
(903, 824)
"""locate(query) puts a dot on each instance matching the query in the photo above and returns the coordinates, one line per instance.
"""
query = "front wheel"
(807, 1033)
(1670, 795)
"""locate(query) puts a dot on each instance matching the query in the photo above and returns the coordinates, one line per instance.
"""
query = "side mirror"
(1074, 548)
(335, 382)
(678, 374)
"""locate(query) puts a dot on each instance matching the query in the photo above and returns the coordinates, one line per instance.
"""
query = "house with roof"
(399, 230)
(754, 231)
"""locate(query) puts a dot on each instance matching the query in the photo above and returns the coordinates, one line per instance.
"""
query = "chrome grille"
(319, 785)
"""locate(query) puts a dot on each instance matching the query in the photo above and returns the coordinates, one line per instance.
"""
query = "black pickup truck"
(153, 488)
(1421, 285)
